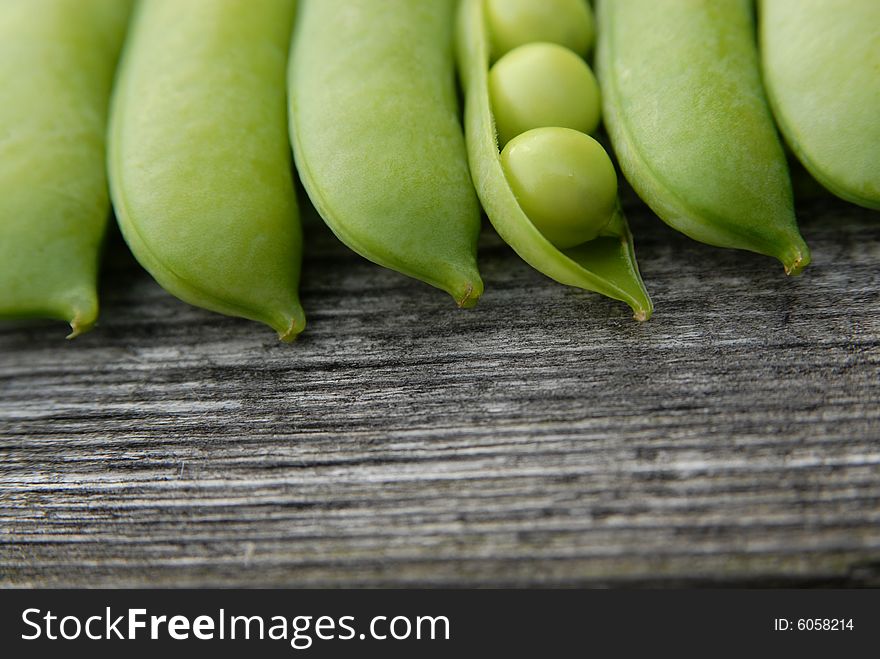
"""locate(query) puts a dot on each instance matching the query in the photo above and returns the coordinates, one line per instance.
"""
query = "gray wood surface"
(543, 438)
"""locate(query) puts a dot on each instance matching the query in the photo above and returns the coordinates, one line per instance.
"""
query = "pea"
(57, 59)
(542, 84)
(685, 109)
(551, 194)
(200, 167)
(821, 63)
(564, 182)
(513, 23)
(374, 123)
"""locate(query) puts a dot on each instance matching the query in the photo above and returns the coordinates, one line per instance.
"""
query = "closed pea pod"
(551, 193)
(821, 63)
(200, 167)
(57, 59)
(685, 109)
(377, 140)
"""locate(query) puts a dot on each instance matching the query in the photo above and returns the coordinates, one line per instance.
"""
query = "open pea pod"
(606, 264)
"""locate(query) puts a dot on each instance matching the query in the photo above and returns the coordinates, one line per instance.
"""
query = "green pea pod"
(377, 140)
(200, 167)
(821, 63)
(687, 117)
(57, 59)
(606, 264)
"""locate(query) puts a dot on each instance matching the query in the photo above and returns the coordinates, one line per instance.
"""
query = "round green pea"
(564, 182)
(513, 23)
(542, 84)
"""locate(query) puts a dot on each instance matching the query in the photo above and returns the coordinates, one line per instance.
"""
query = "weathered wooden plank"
(542, 438)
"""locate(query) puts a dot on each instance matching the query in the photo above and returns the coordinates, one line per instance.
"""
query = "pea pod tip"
(290, 332)
(80, 324)
(468, 303)
(469, 298)
(796, 260)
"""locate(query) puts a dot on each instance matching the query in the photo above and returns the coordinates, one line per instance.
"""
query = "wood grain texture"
(543, 438)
